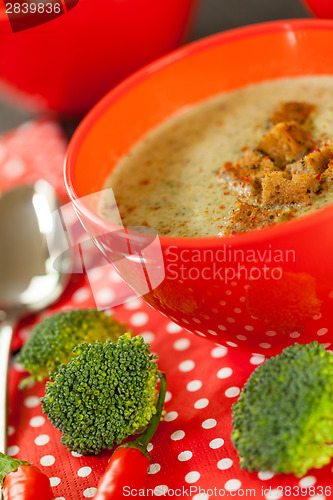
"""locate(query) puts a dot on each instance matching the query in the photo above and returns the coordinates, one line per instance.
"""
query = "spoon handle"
(6, 334)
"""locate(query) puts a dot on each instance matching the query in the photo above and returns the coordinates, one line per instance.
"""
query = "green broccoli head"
(53, 340)
(283, 419)
(103, 395)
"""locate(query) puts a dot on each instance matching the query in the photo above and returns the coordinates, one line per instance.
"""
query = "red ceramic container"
(69, 63)
(262, 290)
(320, 8)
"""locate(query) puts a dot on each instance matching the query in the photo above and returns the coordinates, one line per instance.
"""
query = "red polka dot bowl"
(258, 291)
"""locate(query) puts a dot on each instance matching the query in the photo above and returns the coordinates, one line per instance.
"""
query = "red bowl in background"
(245, 311)
(69, 63)
(320, 8)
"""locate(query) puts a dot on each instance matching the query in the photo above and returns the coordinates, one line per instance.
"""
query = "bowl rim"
(270, 234)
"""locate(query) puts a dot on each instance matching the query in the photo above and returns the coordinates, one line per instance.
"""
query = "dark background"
(213, 16)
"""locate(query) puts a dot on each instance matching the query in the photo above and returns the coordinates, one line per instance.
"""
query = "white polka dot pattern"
(193, 408)
(133, 304)
(209, 423)
(104, 297)
(169, 417)
(224, 464)
(173, 328)
(187, 365)
(225, 372)
(184, 456)
(81, 295)
(187, 396)
(84, 471)
(31, 402)
(265, 475)
(192, 477)
(176, 436)
(37, 421)
(257, 360)
(161, 490)
(55, 481)
(181, 344)
(139, 319)
(147, 336)
(216, 443)
(194, 385)
(89, 492)
(192, 446)
(168, 396)
(219, 352)
(232, 392)
(75, 454)
(154, 468)
(47, 460)
(42, 439)
(12, 450)
(201, 403)
(307, 481)
(232, 485)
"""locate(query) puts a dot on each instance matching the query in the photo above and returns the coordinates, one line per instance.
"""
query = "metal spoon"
(28, 280)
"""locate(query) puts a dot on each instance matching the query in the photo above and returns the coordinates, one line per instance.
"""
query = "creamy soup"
(237, 162)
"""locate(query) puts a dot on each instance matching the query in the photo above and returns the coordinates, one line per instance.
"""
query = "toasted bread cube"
(250, 168)
(247, 217)
(327, 176)
(284, 143)
(240, 170)
(272, 186)
(279, 190)
(293, 111)
(314, 163)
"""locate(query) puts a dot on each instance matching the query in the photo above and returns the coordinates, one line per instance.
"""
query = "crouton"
(327, 176)
(293, 112)
(250, 168)
(248, 217)
(284, 143)
(279, 190)
(314, 163)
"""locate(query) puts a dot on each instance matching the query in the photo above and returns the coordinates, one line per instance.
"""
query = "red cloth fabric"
(192, 454)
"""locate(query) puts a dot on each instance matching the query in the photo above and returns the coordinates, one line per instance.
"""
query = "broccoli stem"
(146, 436)
(143, 440)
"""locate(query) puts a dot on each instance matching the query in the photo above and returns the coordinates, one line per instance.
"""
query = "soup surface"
(243, 160)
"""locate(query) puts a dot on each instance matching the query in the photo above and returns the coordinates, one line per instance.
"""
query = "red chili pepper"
(23, 481)
(128, 465)
(127, 470)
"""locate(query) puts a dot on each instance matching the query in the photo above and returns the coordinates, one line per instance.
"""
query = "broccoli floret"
(104, 395)
(283, 419)
(53, 340)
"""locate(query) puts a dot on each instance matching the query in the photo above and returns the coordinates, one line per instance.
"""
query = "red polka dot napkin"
(192, 454)
(35, 150)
